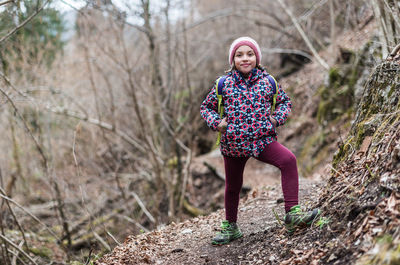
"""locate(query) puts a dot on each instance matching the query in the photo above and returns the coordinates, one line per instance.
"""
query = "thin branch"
(16, 221)
(141, 227)
(395, 51)
(102, 241)
(288, 51)
(38, 147)
(18, 248)
(303, 35)
(15, 255)
(141, 204)
(29, 213)
(24, 22)
(6, 2)
(100, 124)
(383, 30)
(113, 237)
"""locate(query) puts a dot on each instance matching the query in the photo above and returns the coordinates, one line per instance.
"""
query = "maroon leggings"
(274, 154)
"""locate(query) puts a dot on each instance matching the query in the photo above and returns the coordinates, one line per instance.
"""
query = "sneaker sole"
(292, 230)
(318, 214)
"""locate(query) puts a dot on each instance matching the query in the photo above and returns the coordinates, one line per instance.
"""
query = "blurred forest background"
(99, 106)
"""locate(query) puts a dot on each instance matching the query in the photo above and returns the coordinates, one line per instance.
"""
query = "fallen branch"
(127, 218)
(214, 171)
(18, 248)
(194, 211)
(143, 207)
(30, 214)
(101, 124)
(15, 255)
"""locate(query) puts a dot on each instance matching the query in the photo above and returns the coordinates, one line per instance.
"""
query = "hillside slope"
(360, 203)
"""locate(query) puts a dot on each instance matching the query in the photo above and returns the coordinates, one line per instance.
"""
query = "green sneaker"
(229, 232)
(297, 218)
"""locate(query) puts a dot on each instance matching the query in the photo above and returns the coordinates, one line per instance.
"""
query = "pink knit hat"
(245, 41)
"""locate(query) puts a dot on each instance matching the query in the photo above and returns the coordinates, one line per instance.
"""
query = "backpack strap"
(219, 91)
(275, 89)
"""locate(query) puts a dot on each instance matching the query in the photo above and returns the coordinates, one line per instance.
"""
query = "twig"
(340, 193)
(104, 243)
(370, 171)
(139, 201)
(127, 218)
(89, 257)
(30, 214)
(277, 217)
(394, 16)
(6, 2)
(115, 240)
(214, 171)
(23, 23)
(16, 221)
(100, 124)
(18, 248)
(394, 51)
(383, 29)
(23, 262)
(15, 255)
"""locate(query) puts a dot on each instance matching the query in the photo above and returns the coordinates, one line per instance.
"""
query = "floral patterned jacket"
(247, 105)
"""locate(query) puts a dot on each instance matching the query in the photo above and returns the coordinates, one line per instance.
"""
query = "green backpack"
(218, 89)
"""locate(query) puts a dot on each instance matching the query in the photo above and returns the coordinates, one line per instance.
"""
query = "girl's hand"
(222, 125)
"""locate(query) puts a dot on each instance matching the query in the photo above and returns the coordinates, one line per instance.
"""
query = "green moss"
(43, 252)
(334, 76)
(343, 151)
(392, 89)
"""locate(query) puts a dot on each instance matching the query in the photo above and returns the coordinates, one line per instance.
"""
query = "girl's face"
(245, 59)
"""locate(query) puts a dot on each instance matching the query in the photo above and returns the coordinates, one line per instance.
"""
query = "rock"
(177, 250)
(187, 231)
(390, 181)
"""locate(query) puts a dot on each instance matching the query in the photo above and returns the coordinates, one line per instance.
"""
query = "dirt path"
(264, 241)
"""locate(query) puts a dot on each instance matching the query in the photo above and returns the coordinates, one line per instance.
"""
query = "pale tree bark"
(386, 35)
(333, 28)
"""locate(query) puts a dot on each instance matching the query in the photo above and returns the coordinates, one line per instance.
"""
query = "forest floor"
(264, 240)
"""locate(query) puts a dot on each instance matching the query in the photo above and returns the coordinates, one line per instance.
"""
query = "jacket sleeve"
(209, 110)
(282, 108)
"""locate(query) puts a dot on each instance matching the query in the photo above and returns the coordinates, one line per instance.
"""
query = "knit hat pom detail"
(245, 41)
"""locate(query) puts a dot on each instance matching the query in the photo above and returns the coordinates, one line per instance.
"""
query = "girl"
(249, 130)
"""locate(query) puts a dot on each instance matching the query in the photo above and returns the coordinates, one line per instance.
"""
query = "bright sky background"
(177, 9)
